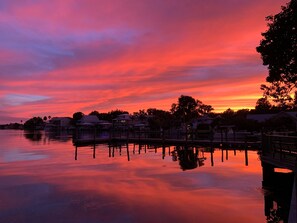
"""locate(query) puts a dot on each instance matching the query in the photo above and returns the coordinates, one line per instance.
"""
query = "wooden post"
(94, 151)
(128, 155)
(211, 156)
(75, 154)
(268, 174)
(227, 154)
(246, 157)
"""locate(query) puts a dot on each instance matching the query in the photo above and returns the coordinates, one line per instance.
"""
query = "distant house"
(261, 118)
(130, 121)
(292, 115)
(284, 119)
(202, 121)
(123, 121)
(58, 123)
(203, 126)
(93, 120)
(88, 120)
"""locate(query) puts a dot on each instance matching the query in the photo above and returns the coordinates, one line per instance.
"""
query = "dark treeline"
(278, 53)
(185, 110)
(184, 113)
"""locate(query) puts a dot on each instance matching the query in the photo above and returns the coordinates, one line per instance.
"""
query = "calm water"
(41, 181)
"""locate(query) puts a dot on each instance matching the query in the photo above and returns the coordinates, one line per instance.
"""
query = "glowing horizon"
(60, 57)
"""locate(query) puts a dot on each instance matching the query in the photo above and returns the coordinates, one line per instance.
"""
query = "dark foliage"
(281, 124)
(187, 108)
(33, 135)
(238, 120)
(96, 113)
(159, 119)
(77, 116)
(278, 49)
(263, 105)
(34, 123)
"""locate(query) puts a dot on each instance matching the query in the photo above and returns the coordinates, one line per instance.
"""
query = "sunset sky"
(59, 57)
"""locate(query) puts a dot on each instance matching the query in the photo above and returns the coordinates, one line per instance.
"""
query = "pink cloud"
(103, 55)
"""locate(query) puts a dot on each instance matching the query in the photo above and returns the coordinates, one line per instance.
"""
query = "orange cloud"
(130, 55)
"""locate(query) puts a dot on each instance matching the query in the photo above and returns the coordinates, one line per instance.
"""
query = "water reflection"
(41, 136)
(33, 135)
(188, 157)
(277, 188)
(96, 183)
(277, 203)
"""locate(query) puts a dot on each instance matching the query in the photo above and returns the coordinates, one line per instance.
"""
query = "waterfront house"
(88, 120)
(286, 121)
(203, 127)
(203, 123)
(58, 123)
(260, 118)
(93, 121)
(126, 121)
(282, 121)
(123, 121)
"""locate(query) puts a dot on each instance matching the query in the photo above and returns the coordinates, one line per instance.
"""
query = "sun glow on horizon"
(85, 57)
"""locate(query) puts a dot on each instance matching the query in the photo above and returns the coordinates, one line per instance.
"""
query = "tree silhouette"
(188, 108)
(96, 113)
(263, 105)
(34, 123)
(77, 116)
(159, 119)
(115, 113)
(278, 50)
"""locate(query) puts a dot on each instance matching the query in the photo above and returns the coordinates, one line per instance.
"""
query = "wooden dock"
(168, 137)
(280, 152)
(276, 152)
(170, 141)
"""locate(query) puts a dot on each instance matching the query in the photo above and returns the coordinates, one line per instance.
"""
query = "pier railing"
(186, 135)
(243, 139)
(279, 145)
